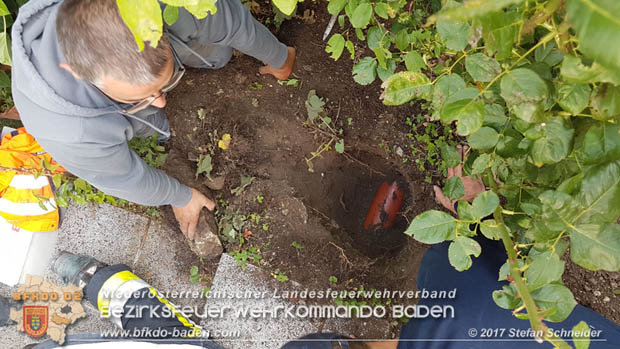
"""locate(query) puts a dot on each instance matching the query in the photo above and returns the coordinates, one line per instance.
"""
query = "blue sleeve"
(474, 307)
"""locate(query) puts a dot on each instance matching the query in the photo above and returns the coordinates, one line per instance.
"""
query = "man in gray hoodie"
(83, 89)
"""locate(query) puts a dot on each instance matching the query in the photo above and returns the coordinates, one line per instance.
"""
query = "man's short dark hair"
(97, 43)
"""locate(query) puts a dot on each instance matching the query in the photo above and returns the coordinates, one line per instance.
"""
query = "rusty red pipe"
(385, 206)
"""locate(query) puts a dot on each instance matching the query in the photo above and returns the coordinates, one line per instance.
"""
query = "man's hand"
(188, 215)
(285, 71)
(473, 186)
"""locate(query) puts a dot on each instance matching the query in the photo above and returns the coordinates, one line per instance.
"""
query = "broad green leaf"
(402, 40)
(606, 102)
(481, 67)
(573, 70)
(465, 211)
(381, 57)
(171, 14)
(5, 49)
(335, 46)
(365, 71)
(443, 89)
(143, 18)
(199, 8)
(454, 34)
(414, 62)
(499, 31)
(484, 204)
(286, 6)
(472, 9)
(404, 86)
(525, 94)
(314, 105)
(377, 37)
(484, 138)
(556, 298)
(450, 155)
(600, 193)
(460, 251)
(454, 188)
(204, 166)
(381, 9)
(555, 141)
(559, 210)
(602, 143)
(574, 98)
(350, 7)
(544, 269)
(581, 335)
(361, 15)
(4, 11)
(493, 230)
(468, 112)
(335, 6)
(481, 163)
(507, 297)
(597, 25)
(432, 227)
(596, 247)
(388, 71)
(548, 54)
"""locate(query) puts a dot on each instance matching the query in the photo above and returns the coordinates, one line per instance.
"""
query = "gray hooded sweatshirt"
(83, 129)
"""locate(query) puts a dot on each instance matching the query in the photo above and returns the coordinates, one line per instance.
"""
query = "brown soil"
(322, 210)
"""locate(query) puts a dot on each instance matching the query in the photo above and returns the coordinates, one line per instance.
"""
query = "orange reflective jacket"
(26, 201)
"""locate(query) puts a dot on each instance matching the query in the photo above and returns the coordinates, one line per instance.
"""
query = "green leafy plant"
(333, 280)
(245, 255)
(149, 150)
(280, 276)
(533, 86)
(323, 127)
(297, 245)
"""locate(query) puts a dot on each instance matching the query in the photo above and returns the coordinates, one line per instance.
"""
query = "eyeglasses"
(179, 71)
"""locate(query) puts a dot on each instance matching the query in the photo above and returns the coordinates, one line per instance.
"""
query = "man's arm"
(233, 25)
(118, 171)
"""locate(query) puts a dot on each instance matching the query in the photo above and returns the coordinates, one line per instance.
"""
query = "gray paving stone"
(113, 235)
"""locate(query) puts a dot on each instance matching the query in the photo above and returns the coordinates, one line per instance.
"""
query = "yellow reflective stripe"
(27, 195)
(45, 222)
(109, 288)
(196, 330)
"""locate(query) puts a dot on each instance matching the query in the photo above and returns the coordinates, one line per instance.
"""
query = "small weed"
(245, 182)
(259, 199)
(256, 86)
(265, 226)
(289, 82)
(323, 125)
(204, 166)
(153, 212)
(280, 276)
(196, 277)
(201, 114)
(149, 150)
(430, 136)
(333, 280)
(297, 245)
(255, 102)
(242, 256)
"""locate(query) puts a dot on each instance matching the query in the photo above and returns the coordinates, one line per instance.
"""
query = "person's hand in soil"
(283, 72)
(188, 215)
(473, 186)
